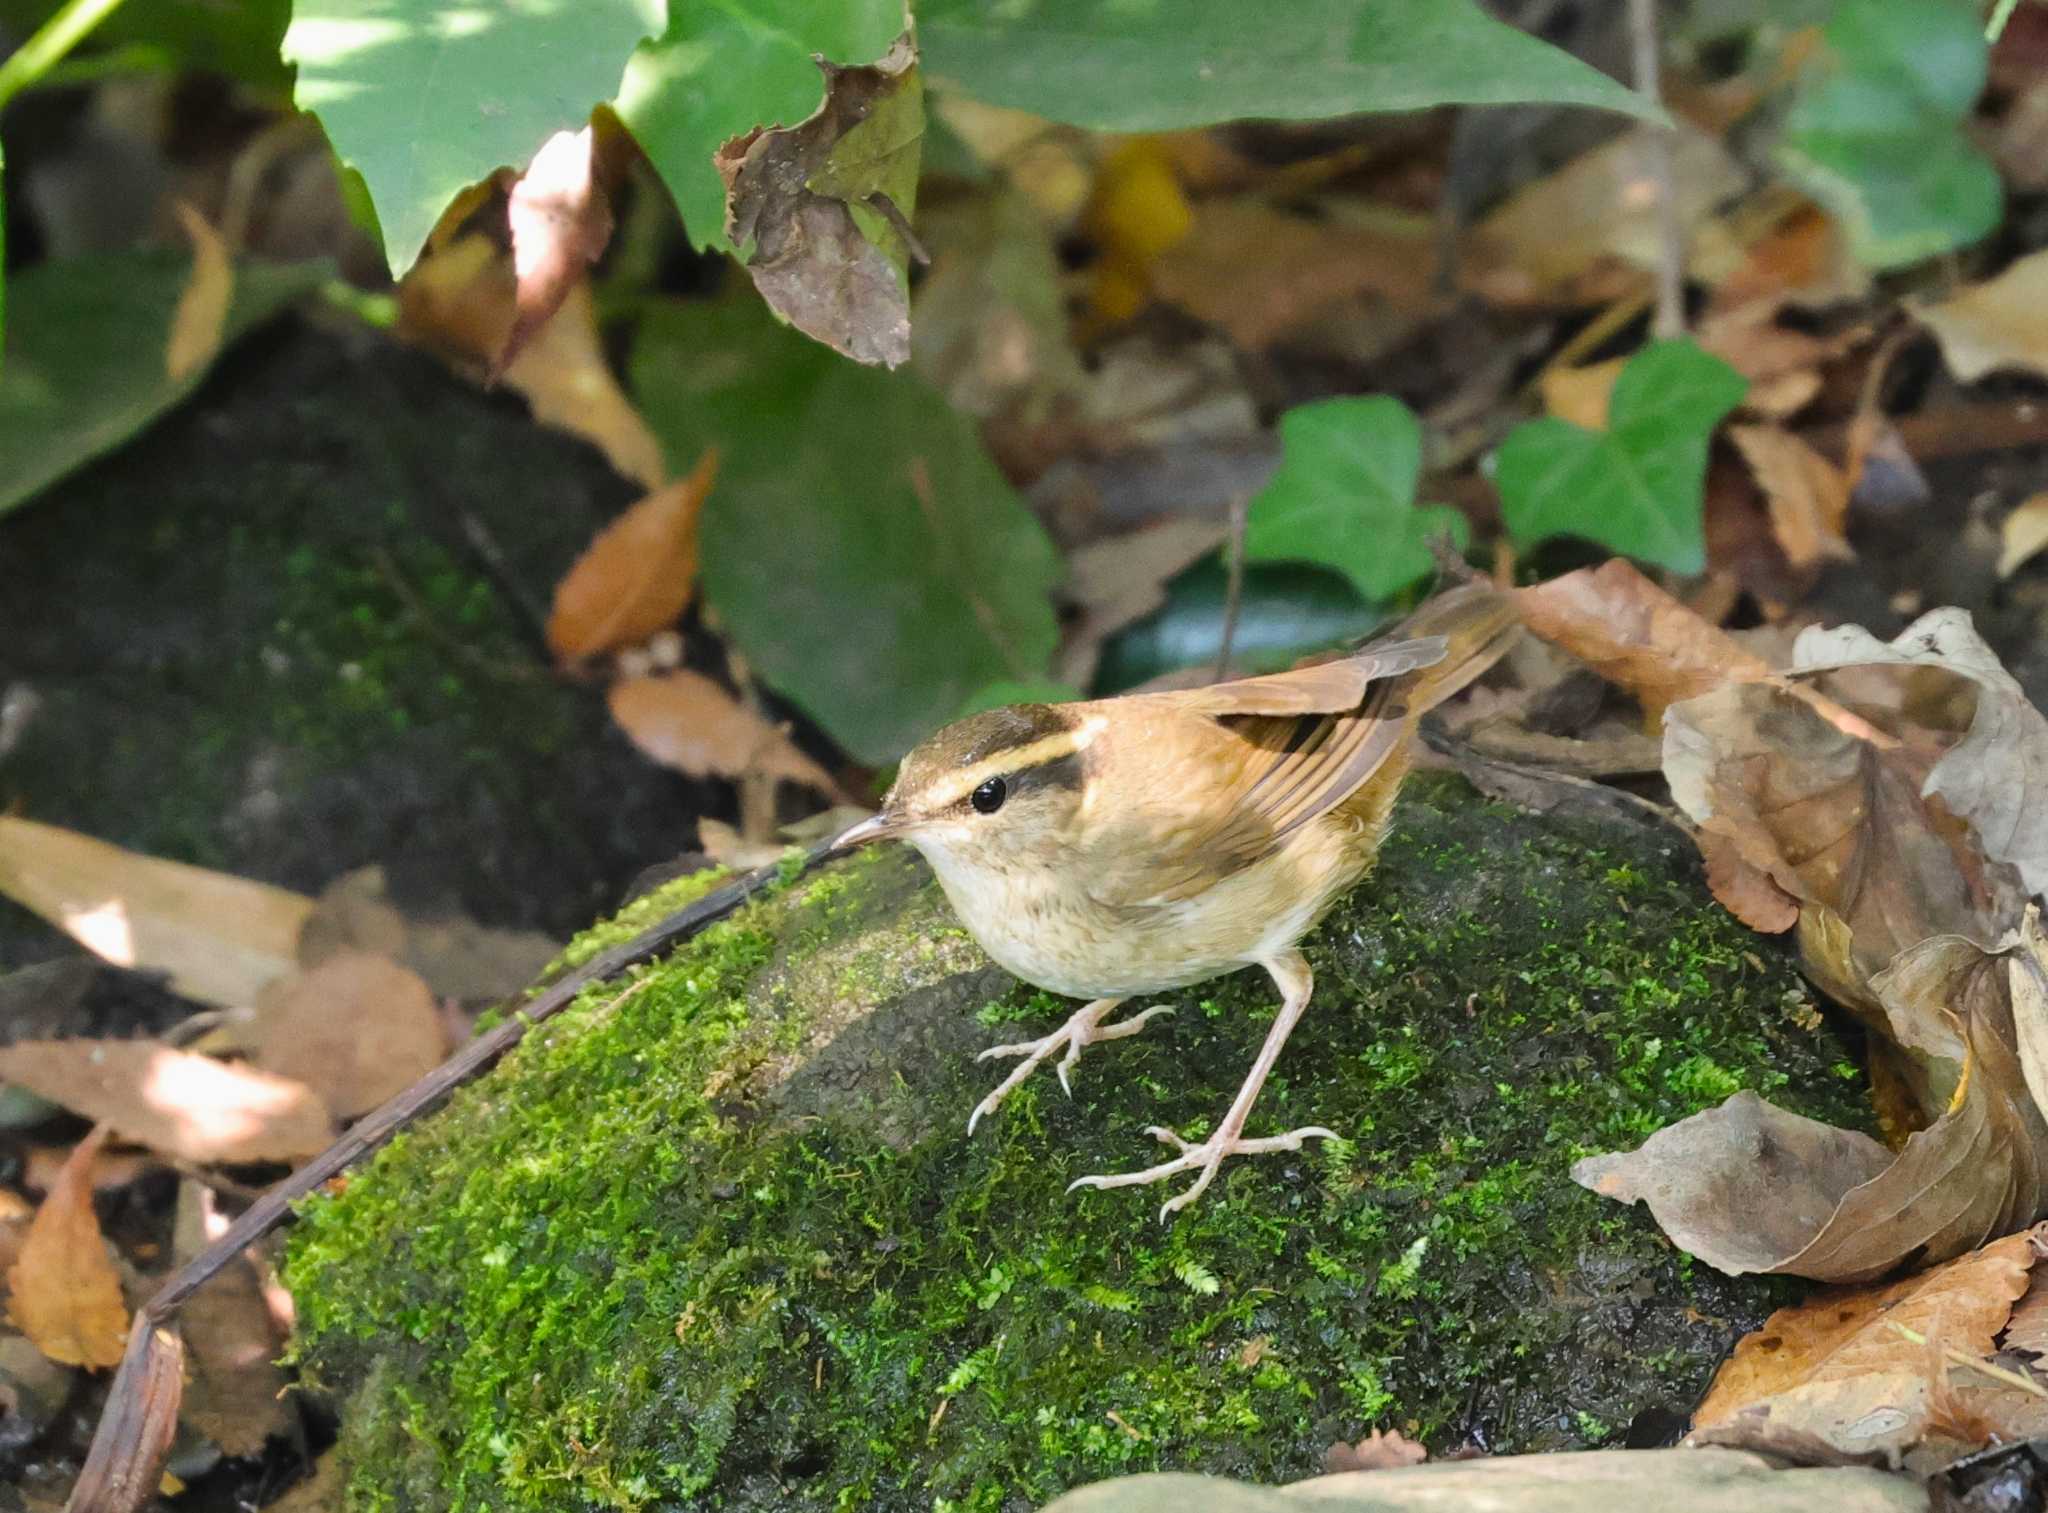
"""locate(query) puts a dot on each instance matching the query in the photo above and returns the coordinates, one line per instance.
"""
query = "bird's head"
(993, 791)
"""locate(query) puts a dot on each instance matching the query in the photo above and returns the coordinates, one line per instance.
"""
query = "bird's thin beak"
(875, 828)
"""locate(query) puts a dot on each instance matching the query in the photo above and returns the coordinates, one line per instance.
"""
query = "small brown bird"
(1138, 844)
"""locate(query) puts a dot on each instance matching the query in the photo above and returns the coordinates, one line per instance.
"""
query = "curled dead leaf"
(235, 1397)
(1634, 634)
(1748, 1187)
(218, 938)
(1853, 1367)
(1996, 778)
(2000, 323)
(821, 210)
(684, 720)
(173, 1101)
(1807, 495)
(560, 220)
(2023, 534)
(63, 1291)
(637, 575)
(355, 1029)
(202, 313)
(461, 299)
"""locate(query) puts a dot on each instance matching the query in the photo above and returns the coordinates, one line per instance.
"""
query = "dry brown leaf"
(42, 1164)
(684, 720)
(1601, 208)
(64, 1293)
(1748, 1187)
(1746, 891)
(1835, 821)
(1831, 1366)
(726, 846)
(202, 313)
(1118, 581)
(235, 1397)
(560, 220)
(2027, 1330)
(173, 1101)
(461, 301)
(1804, 260)
(2001, 323)
(1381, 1450)
(1580, 395)
(217, 937)
(821, 210)
(2022, 534)
(1634, 634)
(637, 575)
(352, 913)
(471, 963)
(1305, 269)
(1997, 777)
(1808, 496)
(355, 1029)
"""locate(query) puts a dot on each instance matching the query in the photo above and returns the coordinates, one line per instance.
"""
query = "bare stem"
(52, 40)
(1669, 319)
(1234, 594)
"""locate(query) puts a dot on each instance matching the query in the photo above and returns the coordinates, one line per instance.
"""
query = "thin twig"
(1958, 1357)
(1233, 596)
(1670, 317)
(130, 1444)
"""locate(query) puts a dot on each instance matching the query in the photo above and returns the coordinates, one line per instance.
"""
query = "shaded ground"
(292, 630)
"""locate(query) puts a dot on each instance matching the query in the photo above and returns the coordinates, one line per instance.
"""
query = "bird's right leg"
(1083, 1028)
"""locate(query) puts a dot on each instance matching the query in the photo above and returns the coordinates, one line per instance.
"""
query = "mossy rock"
(718, 1239)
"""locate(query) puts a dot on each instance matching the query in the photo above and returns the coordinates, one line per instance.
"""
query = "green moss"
(649, 909)
(716, 1238)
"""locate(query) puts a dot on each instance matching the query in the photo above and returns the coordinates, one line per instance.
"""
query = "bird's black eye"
(988, 798)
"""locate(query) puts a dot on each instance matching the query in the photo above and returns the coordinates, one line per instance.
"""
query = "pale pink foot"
(1290, 973)
(1083, 1028)
(1205, 1158)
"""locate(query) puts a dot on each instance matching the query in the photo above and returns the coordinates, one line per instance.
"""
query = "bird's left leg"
(1290, 972)
(1084, 1027)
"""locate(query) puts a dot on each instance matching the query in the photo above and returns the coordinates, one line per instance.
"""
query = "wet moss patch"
(717, 1237)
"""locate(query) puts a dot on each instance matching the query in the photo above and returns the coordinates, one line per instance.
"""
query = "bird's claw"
(1083, 1028)
(1207, 1156)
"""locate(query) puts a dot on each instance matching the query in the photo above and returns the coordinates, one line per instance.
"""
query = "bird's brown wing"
(1327, 688)
(1295, 745)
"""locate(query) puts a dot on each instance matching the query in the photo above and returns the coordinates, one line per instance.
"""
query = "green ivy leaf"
(84, 368)
(860, 548)
(1161, 65)
(1876, 133)
(1636, 488)
(425, 98)
(1344, 496)
(720, 70)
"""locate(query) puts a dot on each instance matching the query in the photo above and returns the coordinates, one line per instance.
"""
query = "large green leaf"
(1345, 495)
(1877, 131)
(84, 368)
(726, 67)
(1638, 487)
(1159, 65)
(424, 98)
(860, 547)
